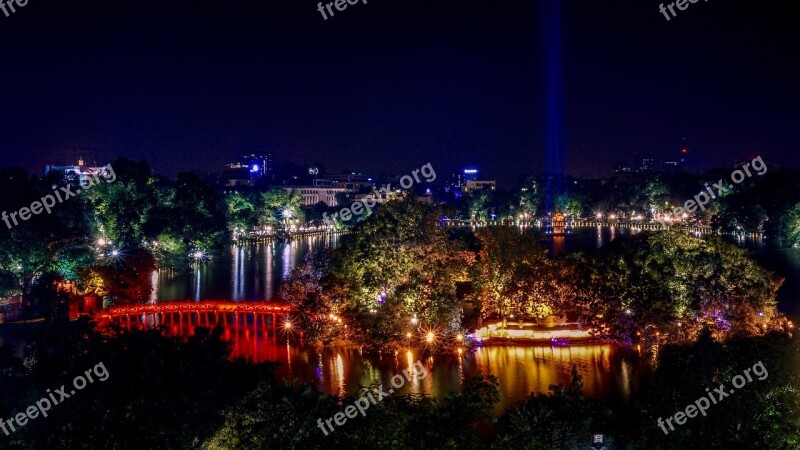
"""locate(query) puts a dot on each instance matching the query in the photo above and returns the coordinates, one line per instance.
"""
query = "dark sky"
(391, 85)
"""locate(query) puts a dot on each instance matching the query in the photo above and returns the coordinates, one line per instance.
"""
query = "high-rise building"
(258, 164)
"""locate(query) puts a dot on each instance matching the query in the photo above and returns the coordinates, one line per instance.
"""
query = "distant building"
(260, 165)
(622, 168)
(237, 175)
(459, 179)
(471, 174)
(479, 185)
(73, 173)
(312, 195)
(670, 167)
(378, 197)
(353, 182)
(646, 164)
(531, 184)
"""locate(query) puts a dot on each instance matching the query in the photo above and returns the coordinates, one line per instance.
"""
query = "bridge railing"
(190, 307)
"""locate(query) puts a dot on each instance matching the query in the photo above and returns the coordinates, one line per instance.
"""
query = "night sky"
(391, 85)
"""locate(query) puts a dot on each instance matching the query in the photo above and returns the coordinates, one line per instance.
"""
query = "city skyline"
(467, 88)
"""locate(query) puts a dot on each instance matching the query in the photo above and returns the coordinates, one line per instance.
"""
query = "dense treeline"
(396, 278)
(768, 203)
(109, 236)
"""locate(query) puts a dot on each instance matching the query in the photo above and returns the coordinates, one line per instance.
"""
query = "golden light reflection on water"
(608, 371)
(340, 376)
(524, 370)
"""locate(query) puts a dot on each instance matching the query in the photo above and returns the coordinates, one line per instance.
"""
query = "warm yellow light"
(287, 325)
(408, 335)
(430, 337)
(460, 337)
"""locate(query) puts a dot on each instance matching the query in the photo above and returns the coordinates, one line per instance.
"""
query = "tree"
(198, 214)
(313, 309)
(563, 419)
(509, 265)
(674, 284)
(398, 264)
(240, 212)
(124, 208)
(56, 242)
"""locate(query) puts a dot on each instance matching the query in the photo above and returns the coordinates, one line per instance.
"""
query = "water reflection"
(254, 273)
(243, 273)
(607, 371)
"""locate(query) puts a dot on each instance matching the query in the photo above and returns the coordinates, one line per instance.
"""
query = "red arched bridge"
(209, 314)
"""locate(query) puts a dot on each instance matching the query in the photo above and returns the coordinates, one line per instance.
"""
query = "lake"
(255, 272)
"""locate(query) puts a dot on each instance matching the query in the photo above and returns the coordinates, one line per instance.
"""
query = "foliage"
(285, 416)
(161, 392)
(126, 279)
(562, 419)
(665, 286)
(510, 264)
(761, 415)
(272, 208)
(397, 265)
(57, 242)
(674, 284)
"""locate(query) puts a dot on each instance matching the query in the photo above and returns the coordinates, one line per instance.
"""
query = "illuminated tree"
(675, 284)
(56, 244)
(512, 274)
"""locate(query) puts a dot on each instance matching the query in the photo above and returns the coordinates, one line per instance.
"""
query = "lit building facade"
(312, 195)
(479, 185)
